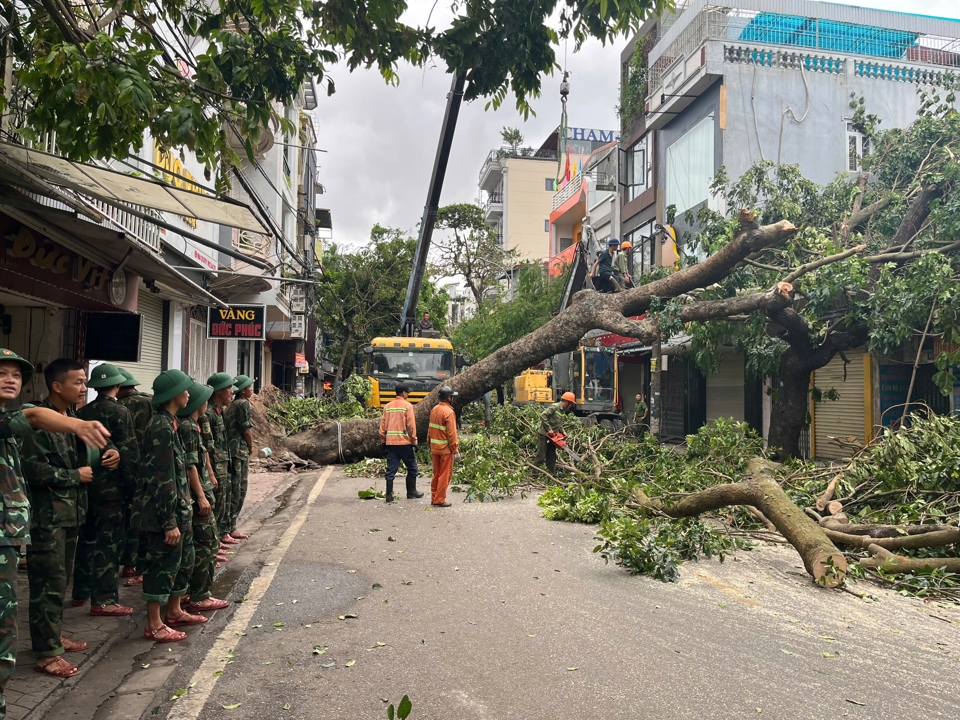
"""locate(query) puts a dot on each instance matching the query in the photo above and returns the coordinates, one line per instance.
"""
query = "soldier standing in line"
(207, 442)
(240, 437)
(57, 471)
(97, 570)
(165, 507)
(205, 539)
(141, 410)
(222, 384)
(15, 531)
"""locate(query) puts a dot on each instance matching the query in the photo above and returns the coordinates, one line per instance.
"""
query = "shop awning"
(230, 286)
(106, 245)
(115, 187)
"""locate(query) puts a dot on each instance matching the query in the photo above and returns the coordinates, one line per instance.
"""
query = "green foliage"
(470, 248)
(295, 415)
(402, 711)
(577, 503)
(725, 443)
(512, 137)
(103, 77)
(633, 86)
(363, 292)
(496, 324)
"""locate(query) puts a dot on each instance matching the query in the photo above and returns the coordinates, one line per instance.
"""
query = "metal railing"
(567, 191)
(494, 156)
(494, 202)
(252, 243)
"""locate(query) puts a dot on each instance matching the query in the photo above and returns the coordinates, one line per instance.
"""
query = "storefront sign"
(237, 322)
(177, 175)
(34, 265)
(301, 360)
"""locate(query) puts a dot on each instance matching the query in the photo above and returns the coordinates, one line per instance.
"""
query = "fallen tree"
(354, 439)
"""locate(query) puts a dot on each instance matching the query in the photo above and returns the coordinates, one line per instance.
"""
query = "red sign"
(301, 360)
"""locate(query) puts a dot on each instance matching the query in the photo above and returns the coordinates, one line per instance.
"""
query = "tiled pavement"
(30, 693)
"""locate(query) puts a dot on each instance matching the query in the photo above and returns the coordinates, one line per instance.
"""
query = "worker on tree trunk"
(444, 446)
(551, 421)
(398, 432)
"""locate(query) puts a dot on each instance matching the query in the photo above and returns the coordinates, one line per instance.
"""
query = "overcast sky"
(381, 140)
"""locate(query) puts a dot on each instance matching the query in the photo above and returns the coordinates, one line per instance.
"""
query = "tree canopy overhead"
(108, 73)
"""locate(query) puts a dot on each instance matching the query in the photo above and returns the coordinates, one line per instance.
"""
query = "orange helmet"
(626, 245)
(569, 397)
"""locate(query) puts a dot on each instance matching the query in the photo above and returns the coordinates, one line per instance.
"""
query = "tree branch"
(811, 266)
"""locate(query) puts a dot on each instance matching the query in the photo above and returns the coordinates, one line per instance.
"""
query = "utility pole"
(656, 405)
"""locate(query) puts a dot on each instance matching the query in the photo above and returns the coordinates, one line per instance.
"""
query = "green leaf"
(318, 650)
(328, 665)
(404, 708)
(351, 663)
(232, 707)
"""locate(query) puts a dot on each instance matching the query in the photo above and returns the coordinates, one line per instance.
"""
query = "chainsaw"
(559, 440)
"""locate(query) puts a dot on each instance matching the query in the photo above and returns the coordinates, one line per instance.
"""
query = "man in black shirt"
(602, 270)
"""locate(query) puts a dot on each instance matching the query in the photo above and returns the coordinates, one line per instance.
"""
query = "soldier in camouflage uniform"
(206, 440)
(240, 439)
(14, 425)
(57, 470)
(165, 507)
(205, 539)
(222, 384)
(141, 410)
(97, 568)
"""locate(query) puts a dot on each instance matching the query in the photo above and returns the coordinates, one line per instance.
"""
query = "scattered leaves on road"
(348, 616)
(286, 706)
(178, 693)
(145, 665)
(829, 655)
(328, 665)
(351, 663)
(232, 707)
(278, 623)
(318, 650)
(571, 669)
(785, 652)
(391, 538)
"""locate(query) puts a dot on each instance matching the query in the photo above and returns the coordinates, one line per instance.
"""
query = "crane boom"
(454, 97)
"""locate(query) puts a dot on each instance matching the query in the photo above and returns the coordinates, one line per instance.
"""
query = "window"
(202, 361)
(643, 259)
(546, 225)
(858, 147)
(550, 185)
(637, 169)
(690, 167)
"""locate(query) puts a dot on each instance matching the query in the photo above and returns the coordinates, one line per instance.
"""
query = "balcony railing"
(503, 153)
(494, 203)
(252, 243)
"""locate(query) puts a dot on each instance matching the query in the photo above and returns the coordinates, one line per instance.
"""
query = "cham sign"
(237, 322)
(591, 134)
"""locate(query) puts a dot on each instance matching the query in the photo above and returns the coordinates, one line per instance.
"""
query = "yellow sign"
(177, 175)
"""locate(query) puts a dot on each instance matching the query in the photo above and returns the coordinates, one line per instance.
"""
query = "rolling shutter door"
(725, 390)
(150, 307)
(843, 418)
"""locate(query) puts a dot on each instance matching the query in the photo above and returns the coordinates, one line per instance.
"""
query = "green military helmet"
(105, 376)
(26, 368)
(169, 384)
(128, 379)
(199, 394)
(219, 381)
(242, 383)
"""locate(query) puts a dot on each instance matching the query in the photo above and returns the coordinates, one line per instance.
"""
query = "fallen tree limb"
(880, 531)
(823, 561)
(355, 439)
(906, 542)
(892, 564)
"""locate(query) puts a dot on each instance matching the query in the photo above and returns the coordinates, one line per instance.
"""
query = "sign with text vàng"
(237, 322)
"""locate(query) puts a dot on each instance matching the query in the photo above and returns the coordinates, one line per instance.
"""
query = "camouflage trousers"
(131, 521)
(96, 574)
(9, 559)
(223, 495)
(50, 558)
(166, 568)
(240, 470)
(206, 542)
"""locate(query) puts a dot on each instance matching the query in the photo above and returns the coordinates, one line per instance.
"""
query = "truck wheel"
(618, 424)
(607, 425)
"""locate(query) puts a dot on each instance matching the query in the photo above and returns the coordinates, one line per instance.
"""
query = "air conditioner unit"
(298, 326)
(298, 299)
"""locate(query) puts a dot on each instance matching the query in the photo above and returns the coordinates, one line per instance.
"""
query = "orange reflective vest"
(443, 430)
(398, 425)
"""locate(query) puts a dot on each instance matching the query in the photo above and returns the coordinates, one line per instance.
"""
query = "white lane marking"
(201, 685)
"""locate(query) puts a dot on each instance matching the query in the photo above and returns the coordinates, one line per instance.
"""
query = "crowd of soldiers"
(146, 488)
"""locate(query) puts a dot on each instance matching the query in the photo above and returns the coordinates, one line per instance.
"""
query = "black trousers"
(407, 455)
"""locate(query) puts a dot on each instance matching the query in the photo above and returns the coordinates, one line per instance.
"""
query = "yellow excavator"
(421, 363)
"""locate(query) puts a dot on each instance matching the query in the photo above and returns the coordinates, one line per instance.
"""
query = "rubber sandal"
(184, 620)
(129, 572)
(118, 611)
(238, 535)
(208, 605)
(133, 582)
(73, 645)
(59, 668)
(164, 634)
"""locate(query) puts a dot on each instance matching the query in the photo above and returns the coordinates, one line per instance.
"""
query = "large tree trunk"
(823, 561)
(790, 406)
(589, 310)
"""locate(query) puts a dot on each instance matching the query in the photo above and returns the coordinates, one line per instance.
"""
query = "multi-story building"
(731, 84)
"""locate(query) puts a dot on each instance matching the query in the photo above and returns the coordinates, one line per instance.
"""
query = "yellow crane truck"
(421, 363)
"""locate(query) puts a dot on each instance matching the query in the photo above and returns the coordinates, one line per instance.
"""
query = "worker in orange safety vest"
(444, 446)
(398, 432)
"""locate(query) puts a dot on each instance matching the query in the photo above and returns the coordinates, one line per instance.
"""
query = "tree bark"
(907, 542)
(588, 311)
(882, 531)
(823, 561)
(892, 564)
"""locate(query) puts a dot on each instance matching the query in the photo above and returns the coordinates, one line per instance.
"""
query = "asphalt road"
(488, 611)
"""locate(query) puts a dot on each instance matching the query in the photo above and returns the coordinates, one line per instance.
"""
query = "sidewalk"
(29, 694)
